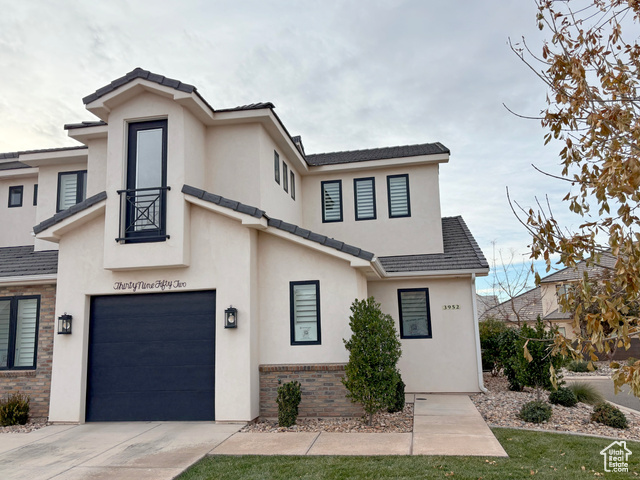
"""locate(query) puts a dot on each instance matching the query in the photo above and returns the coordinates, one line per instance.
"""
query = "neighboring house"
(485, 302)
(203, 258)
(543, 301)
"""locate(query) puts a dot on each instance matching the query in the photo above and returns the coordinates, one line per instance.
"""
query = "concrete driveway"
(605, 387)
(134, 450)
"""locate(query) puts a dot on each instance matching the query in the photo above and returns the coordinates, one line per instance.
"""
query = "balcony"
(143, 214)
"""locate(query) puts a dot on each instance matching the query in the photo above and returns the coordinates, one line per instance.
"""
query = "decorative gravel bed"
(400, 422)
(501, 406)
(603, 371)
(29, 427)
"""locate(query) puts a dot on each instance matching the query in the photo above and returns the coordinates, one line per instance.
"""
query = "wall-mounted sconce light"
(231, 317)
(64, 324)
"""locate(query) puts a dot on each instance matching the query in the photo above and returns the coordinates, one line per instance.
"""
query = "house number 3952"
(451, 307)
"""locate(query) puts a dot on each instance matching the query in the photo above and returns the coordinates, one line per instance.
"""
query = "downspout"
(474, 307)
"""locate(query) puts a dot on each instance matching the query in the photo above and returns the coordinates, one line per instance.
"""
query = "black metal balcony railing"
(143, 214)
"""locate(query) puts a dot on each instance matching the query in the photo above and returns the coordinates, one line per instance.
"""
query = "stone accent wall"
(323, 394)
(34, 383)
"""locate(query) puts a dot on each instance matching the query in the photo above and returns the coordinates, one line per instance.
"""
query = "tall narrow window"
(293, 185)
(18, 332)
(364, 191)
(331, 201)
(415, 317)
(285, 177)
(15, 196)
(72, 188)
(144, 200)
(398, 190)
(35, 194)
(276, 166)
(305, 312)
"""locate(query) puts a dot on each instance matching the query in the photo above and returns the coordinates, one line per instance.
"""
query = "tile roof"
(23, 261)
(13, 165)
(461, 252)
(251, 106)
(279, 224)
(526, 306)
(72, 126)
(568, 274)
(78, 207)
(376, 154)
(5, 156)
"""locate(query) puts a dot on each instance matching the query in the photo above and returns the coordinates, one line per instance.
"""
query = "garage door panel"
(152, 357)
(130, 407)
(151, 379)
(158, 353)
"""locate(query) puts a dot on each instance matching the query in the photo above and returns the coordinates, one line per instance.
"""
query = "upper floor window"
(398, 191)
(331, 201)
(35, 194)
(285, 177)
(305, 312)
(293, 185)
(19, 332)
(415, 317)
(144, 200)
(562, 291)
(276, 166)
(15, 196)
(72, 188)
(364, 192)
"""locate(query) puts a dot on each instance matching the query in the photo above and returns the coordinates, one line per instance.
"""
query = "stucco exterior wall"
(96, 166)
(418, 234)
(18, 221)
(446, 362)
(281, 262)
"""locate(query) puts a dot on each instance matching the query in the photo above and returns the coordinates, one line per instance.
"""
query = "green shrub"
(509, 348)
(586, 393)
(490, 332)
(631, 361)
(289, 397)
(609, 415)
(563, 396)
(535, 412)
(397, 402)
(580, 366)
(14, 410)
(371, 376)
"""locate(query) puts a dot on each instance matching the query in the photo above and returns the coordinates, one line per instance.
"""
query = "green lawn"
(531, 455)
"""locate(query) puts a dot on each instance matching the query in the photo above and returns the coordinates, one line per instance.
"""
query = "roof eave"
(381, 163)
(479, 272)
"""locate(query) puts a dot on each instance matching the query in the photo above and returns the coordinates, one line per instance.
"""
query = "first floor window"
(72, 189)
(18, 332)
(276, 166)
(398, 191)
(415, 317)
(331, 201)
(305, 312)
(15, 196)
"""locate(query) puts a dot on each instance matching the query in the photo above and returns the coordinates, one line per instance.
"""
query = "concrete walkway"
(442, 425)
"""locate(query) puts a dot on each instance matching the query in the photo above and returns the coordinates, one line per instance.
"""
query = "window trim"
(292, 313)
(355, 198)
(285, 176)
(389, 177)
(81, 179)
(16, 188)
(322, 184)
(292, 182)
(35, 194)
(402, 334)
(13, 320)
(276, 166)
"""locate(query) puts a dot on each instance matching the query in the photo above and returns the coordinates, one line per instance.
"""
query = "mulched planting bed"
(400, 422)
(500, 408)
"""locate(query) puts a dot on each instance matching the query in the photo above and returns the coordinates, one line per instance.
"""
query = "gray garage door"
(151, 357)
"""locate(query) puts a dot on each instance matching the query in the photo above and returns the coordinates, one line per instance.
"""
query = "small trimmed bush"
(536, 411)
(289, 396)
(580, 366)
(14, 410)
(563, 396)
(586, 393)
(609, 415)
(397, 402)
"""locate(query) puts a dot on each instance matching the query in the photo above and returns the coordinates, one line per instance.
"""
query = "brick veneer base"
(323, 394)
(34, 383)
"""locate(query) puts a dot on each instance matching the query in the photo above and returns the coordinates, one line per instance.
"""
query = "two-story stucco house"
(202, 257)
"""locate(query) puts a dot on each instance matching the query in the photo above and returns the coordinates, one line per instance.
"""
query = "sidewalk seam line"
(313, 443)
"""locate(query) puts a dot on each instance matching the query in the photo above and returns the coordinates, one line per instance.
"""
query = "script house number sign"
(161, 285)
